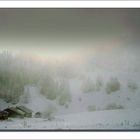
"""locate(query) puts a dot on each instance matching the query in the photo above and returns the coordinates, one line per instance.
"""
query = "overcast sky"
(63, 30)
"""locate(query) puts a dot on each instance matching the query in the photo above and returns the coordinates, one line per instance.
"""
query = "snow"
(77, 115)
(115, 119)
(4, 104)
(36, 101)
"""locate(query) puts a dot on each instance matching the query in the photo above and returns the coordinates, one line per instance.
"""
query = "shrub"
(98, 84)
(114, 106)
(66, 106)
(113, 85)
(91, 108)
(88, 86)
(64, 97)
(49, 113)
(38, 115)
(49, 88)
(132, 86)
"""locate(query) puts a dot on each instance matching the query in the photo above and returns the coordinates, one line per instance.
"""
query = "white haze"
(94, 63)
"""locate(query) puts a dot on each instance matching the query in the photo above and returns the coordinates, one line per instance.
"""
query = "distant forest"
(17, 72)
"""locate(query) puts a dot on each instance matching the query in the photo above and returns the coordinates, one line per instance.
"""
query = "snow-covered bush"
(113, 106)
(92, 108)
(132, 86)
(64, 98)
(49, 87)
(99, 84)
(49, 113)
(88, 86)
(38, 115)
(66, 106)
(113, 85)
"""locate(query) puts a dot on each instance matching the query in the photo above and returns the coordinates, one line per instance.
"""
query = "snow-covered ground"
(117, 119)
(77, 115)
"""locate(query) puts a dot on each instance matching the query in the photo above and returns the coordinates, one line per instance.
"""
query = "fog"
(63, 61)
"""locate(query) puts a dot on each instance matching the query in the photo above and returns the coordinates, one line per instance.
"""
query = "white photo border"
(69, 4)
(69, 135)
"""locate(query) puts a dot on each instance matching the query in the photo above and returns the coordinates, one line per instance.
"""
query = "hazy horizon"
(70, 33)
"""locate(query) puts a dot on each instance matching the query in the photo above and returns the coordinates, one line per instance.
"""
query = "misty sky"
(69, 30)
